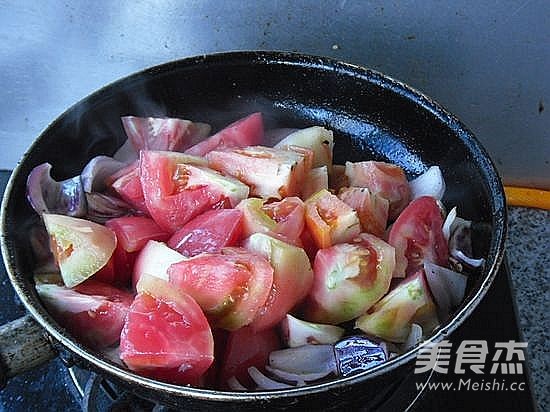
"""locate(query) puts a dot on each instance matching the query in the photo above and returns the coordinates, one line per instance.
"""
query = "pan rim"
(489, 173)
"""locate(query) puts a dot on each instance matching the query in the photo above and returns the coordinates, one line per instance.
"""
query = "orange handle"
(527, 197)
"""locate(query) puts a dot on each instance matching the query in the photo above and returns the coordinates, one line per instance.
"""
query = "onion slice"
(48, 196)
(449, 220)
(234, 384)
(448, 287)
(414, 338)
(264, 382)
(296, 378)
(474, 263)
(430, 183)
(103, 207)
(96, 171)
(305, 359)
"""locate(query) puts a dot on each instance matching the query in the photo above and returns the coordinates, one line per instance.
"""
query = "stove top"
(52, 386)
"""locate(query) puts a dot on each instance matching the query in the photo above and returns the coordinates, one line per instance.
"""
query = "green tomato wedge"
(81, 247)
(391, 318)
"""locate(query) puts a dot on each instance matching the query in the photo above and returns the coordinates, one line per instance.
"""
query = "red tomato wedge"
(177, 189)
(127, 184)
(208, 232)
(230, 286)
(248, 131)
(153, 133)
(93, 311)
(154, 260)
(371, 209)
(133, 232)
(383, 179)
(283, 220)
(292, 278)
(418, 234)
(329, 220)
(245, 348)
(166, 336)
(270, 173)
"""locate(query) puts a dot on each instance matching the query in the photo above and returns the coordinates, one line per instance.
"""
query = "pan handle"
(23, 346)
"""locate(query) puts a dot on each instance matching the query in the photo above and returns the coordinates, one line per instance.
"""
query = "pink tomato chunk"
(248, 131)
(383, 179)
(167, 337)
(230, 286)
(208, 232)
(93, 311)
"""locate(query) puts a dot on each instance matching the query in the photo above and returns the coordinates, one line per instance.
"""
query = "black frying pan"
(373, 117)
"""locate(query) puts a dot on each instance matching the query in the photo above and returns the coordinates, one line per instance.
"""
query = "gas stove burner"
(95, 393)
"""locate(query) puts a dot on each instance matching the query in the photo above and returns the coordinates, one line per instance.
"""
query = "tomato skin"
(292, 278)
(245, 348)
(166, 336)
(153, 133)
(248, 131)
(392, 316)
(127, 184)
(270, 173)
(208, 232)
(372, 209)
(283, 220)
(349, 279)
(93, 311)
(177, 189)
(383, 179)
(418, 235)
(329, 220)
(230, 286)
(133, 232)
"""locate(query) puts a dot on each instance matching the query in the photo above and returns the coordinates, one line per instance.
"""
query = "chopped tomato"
(153, 133)
(248, 131)
(349, 279)
(316, 180)
(176, 188)
(230, 286)
(383, 179)
(329, 220)
(283, 220)
(93, 311)
(371, 209)
(127, 184)
(154, 260)
(209, 232)
(166, 336)
(270, 173)
(317, 139)
(418, 235)
(392, 316)
(80, 247)
(292, 278)
(133, 232)
(245, 348)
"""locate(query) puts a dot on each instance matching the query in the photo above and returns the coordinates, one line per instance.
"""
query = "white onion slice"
(475, 263)
(448, 287)
(264, 382)
(299, 379)
(414, 338)
(430, 183)
(304, 359)
(96, 171)
(449, 223)
(235, 385)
